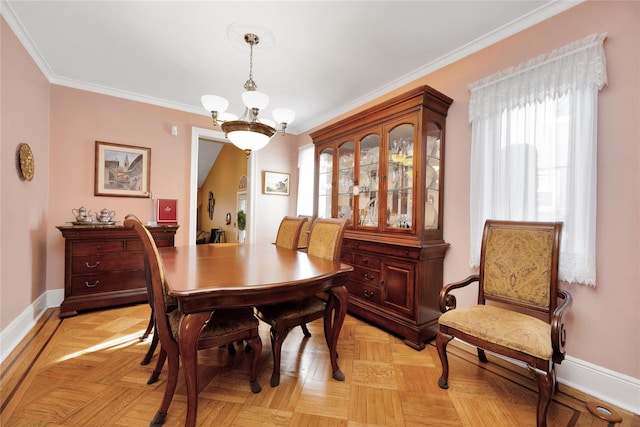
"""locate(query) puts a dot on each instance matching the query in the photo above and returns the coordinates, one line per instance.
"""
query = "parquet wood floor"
(85, 371)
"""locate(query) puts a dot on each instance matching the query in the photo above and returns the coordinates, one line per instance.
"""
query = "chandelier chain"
(252, 40)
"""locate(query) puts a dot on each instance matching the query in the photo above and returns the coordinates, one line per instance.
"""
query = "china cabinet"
(104, 265)
(383, 169)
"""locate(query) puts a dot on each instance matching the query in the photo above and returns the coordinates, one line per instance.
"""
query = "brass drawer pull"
(88, 285)
(92, 266)
(368, 293)
(367, 277)
(365, 260)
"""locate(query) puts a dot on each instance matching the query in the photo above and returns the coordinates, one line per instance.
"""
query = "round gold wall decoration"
(26, 167)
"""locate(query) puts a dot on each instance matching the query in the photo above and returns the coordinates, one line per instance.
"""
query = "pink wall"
(614, 303)
(24, 111)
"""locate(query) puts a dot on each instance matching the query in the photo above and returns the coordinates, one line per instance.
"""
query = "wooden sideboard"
(104, 266)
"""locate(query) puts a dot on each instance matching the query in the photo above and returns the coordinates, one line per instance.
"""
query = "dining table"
(203, 278)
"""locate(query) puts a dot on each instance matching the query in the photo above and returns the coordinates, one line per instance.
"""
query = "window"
(533, 154)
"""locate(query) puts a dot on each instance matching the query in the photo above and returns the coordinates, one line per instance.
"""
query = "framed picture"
(122, 170)
(276, 183)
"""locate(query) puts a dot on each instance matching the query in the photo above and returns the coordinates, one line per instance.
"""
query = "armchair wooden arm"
(558, 333)
(448, 301)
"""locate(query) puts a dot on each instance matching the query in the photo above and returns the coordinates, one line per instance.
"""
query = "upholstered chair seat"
(510, 329)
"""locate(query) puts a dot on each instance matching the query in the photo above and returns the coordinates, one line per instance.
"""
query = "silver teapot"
(82, 214)
(105, 215)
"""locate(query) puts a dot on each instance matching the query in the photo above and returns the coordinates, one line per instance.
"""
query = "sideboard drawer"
(107, 282)
(367, 261)
(97, 247)
(366, 276)
(105, 263)
(365, 292)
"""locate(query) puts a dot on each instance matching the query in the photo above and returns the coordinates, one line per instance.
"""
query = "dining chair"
(325, 241)
(305, 231)
(223, 328)
(517, 314)
(289, 232)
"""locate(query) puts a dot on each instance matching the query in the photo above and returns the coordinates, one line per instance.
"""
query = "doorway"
(196, 135)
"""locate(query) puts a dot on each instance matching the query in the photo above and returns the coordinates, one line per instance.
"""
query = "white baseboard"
(11, 336)
(612, 387)
(608, 386)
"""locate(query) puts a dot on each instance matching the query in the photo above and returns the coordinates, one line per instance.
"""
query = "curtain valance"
(578, 65)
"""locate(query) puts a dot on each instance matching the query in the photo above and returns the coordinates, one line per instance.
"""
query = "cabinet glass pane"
(368, 180)
(400, 177)
(345, 180)
(325, 173)
(432, 201)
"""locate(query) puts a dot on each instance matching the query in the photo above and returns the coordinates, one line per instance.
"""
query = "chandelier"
(248, 133)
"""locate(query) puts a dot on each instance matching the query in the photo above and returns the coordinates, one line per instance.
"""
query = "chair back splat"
(518, 314)
(225, 326)
(289, 232)
(325, 241)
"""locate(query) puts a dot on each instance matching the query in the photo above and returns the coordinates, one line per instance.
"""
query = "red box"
(167, 211)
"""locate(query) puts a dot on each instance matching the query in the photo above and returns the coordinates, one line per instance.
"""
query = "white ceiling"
(319, 58)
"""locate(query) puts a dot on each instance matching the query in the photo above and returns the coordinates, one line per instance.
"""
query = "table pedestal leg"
(190, 327)
(333, 320)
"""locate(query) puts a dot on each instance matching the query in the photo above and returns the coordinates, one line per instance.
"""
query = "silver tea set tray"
(83, 217)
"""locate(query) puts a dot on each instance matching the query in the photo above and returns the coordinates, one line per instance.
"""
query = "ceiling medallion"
(26, 167)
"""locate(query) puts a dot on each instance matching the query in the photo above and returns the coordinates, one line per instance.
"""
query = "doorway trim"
(196, 134)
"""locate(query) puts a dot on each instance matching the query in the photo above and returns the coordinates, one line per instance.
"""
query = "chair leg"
(546, 384)
(158, 369)
(172, 381)
(482, 356)
(255, 344)
(305, 330)
(276, 347)
(152, 349)
(441, 344)
(150, 327)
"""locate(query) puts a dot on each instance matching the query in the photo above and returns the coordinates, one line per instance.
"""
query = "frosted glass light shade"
(246, 140)
(214, 103)
(284, 115)
(255, 99)
(248, 136)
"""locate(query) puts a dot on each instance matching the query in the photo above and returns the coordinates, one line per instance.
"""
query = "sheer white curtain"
(305, 180)
(533, 149)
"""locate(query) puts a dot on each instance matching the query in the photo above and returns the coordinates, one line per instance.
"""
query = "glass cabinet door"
(345, 180)
(325, 178)
(400, 177)
(368, 180)
(432, 176)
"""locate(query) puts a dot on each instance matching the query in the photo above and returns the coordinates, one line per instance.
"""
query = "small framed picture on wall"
(276, 183)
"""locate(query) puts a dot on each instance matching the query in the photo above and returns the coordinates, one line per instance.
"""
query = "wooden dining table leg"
(333, 324)
(190, 327)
